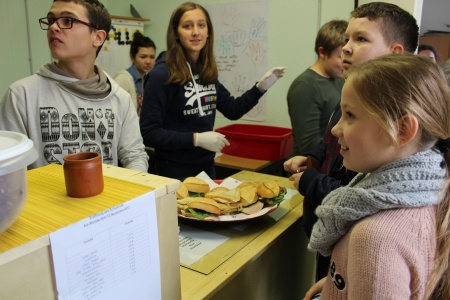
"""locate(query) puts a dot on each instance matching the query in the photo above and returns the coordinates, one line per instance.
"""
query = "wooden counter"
(26, 271)
(240, 163)
(275, 265)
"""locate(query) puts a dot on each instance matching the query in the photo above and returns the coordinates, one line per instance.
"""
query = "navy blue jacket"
(170, 115)
(315, 184)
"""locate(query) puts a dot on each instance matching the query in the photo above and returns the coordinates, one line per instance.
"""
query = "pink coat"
(388, 255)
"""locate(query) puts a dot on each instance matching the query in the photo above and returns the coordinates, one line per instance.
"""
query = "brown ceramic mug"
(83, 174)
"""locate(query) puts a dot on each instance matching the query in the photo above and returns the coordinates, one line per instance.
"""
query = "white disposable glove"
(270, 78)
(211, 140)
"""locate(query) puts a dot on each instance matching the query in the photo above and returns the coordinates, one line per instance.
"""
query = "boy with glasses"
(72, 105)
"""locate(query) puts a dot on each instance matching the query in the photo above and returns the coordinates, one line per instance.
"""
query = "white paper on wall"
(241, 44)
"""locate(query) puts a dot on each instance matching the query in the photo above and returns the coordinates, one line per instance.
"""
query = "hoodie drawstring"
(199, 102)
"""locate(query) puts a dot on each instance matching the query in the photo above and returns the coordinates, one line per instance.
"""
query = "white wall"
(292, 33)
(22, 51)
(414, 7)
(435, 16)
(293, 25)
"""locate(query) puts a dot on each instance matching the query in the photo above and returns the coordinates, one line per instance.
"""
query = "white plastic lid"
(16, 152)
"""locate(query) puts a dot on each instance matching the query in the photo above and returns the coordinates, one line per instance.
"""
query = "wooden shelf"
(129, 18)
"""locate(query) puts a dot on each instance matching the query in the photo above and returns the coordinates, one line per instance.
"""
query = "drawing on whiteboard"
(241, 43)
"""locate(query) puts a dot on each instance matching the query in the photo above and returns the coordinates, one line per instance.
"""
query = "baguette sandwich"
(270, 192)
(196, 187)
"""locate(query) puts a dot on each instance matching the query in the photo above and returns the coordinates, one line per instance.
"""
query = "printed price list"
(108, 258)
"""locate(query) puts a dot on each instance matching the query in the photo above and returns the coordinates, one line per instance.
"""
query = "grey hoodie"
(63, 115)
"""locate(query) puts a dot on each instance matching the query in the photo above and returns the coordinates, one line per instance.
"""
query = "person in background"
(374, 29)
(143, 56)
(428, 51)
(183, 93)
(314, 94)
(446, 68)
(73, 105)
(387, 230)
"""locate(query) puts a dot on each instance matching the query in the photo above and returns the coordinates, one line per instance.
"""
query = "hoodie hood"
(93, 89)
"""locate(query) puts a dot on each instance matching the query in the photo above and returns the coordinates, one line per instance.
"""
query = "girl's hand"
(316, 288)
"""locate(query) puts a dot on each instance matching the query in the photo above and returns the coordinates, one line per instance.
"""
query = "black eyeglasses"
(63, 22)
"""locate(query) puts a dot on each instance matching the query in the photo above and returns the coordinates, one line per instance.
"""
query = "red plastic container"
(257, 141)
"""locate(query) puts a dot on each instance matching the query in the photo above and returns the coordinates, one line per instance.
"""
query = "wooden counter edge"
(162, 185)
(240, 163)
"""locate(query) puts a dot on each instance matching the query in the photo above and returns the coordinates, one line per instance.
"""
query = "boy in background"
(72, 105)
(313, 95)
(374, 29)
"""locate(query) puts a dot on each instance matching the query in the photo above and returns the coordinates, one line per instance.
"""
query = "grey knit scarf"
(413, 181)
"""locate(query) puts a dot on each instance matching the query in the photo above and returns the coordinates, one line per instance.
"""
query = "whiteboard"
(240, 46)
(115, 54)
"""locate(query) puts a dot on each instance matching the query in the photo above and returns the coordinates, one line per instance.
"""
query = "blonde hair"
(392, 86)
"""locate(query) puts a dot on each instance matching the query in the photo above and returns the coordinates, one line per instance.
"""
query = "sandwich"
(197, 187)
(198, 207)
(248, 183)
(205, 204)
(215, 191)
(228, 196)
(182, 191)
(270, 192)
(230, 208)
(248, 195)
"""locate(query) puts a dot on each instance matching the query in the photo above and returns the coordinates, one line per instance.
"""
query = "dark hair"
(331, 36)
(140, 41)
(176, 58)
(97, 14)
(428, 47)
(397, 25)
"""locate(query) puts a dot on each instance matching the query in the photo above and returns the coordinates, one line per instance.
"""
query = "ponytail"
(439, 283)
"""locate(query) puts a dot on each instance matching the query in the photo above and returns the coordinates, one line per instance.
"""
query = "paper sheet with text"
(195, 243)
(113, 254)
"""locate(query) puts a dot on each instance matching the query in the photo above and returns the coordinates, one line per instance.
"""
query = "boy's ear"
(100, 36)
(321, 53)
(397, 48)
(408, 128)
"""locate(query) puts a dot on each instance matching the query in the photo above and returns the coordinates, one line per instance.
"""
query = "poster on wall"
(115, 53)
(241, 44)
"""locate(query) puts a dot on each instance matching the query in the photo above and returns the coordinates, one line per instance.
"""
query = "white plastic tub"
(16, 153)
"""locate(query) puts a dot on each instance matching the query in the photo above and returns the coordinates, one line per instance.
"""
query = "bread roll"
(205, 204)
(182, 204)
(233, 195)
(248, 195)
(268, 189)
(196, 185)
(215, 191)
(248, 183)
(182, 192)
(220, 189)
